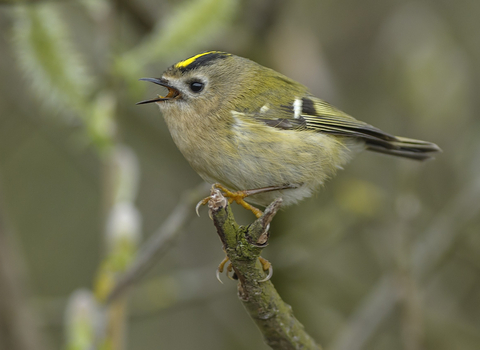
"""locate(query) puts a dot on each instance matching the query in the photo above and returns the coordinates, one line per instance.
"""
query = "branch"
(243, 245)
(18, 326)
(369, 314)
(159, 243)
(139, 16)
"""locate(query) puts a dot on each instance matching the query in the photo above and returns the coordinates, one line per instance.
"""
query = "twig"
(369, 314)
(426, 254)
(139, 16)
(243, 245)
(20, 2)
(439, 237)
(18, 326)
(159, 242)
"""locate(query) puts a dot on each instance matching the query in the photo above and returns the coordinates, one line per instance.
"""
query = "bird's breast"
(245, 154)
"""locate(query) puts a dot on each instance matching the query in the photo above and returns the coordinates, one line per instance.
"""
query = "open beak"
(172, 92)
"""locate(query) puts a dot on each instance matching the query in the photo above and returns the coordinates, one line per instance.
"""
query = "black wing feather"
(318, 115)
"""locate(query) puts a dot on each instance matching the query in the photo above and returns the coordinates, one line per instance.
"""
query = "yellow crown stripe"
(188, 61)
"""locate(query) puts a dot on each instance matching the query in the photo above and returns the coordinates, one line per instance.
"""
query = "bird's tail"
(404, 147)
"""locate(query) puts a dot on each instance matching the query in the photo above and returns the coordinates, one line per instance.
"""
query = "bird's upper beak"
(172, 92)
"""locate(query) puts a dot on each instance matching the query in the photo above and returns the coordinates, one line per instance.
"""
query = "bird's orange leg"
(238, 196)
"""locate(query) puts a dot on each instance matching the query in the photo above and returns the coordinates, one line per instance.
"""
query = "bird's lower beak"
(172, 92)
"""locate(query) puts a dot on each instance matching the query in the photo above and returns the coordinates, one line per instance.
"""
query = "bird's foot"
(266, 265)
(238, 196)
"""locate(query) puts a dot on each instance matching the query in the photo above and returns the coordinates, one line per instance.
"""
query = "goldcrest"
(249, 127)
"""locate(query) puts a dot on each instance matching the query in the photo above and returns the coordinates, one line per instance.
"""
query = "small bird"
(250, 129)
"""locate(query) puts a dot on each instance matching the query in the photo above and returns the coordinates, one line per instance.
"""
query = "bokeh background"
(386, 256)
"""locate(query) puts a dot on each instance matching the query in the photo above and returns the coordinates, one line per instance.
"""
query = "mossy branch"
(243, 245)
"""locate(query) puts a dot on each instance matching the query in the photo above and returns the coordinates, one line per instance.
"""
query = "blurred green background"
(386, 256)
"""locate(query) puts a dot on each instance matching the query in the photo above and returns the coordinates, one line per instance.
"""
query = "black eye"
(196, 86)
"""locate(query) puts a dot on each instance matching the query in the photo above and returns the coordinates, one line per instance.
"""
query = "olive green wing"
(311, 113)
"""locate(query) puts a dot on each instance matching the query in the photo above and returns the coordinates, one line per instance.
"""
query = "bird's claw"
(202, 202)
(270, 274)
(265, 264)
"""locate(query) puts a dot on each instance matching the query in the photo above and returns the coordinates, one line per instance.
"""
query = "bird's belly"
(279, 158)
